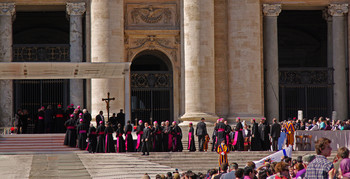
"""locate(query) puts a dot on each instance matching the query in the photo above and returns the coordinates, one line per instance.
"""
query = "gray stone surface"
(58, 166)
(15, 166)
(121, 165)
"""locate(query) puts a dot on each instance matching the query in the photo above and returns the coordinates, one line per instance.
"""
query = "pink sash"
(126, 142)
(117, 144)
(235, 139)
(138, 141)
(106, 143)
(87, 148)
(221, 130)
(170, 141)
(227, 139)
(189, 140)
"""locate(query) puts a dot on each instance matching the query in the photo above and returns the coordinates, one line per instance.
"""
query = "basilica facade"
(176, 60)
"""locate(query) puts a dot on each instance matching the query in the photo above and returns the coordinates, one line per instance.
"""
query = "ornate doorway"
(305, 75)
(151, 87)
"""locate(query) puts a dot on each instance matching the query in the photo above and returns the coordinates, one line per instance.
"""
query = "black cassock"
(92, 140)
(109, 148)
(41, 122)
(264, 130)
(256, 140)
(214, 136)
(157, 139)
(177, 136)
(139, 133)
(191, 143)
(71, 133)
(120, 140)
(82, 130)
(167, 139)
(129, 143)
(59, 121)
(240, 141)
(100, 148)
(221, 134)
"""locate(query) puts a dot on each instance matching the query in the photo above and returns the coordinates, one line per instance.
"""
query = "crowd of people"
(309, 166)
(49, 120)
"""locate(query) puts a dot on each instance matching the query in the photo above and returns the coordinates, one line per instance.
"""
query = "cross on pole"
(107, 100)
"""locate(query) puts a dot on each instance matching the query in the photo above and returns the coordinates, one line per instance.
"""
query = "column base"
(196, 117)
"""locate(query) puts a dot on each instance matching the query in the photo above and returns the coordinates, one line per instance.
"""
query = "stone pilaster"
(199, 60)
(271, 12)
(75, 12)
(340, 97)
(7, 12)
(244, 62)
(107, 45)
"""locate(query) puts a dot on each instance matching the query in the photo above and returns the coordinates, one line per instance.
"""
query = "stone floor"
(115, 165)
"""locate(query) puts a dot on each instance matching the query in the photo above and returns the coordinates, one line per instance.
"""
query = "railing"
(306, 76)
(41, 53)
(307, 89)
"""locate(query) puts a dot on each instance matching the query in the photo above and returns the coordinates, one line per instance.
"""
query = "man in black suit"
(275, 134)
(201, 131)
(99, 118)
(146, 139)
(121, 118)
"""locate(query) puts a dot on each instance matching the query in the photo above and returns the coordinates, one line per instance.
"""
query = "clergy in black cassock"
(82, 130)
(157, 137)
(238, 140)
(255, 139)
(100, 148)
(220, 128)
(92, 139)
(109, 148)
(215, 134)
(129, 143)
(191, 143)
(139, 133)
(120, 141)
(71, 133)
(177, 136)
(167, 138)
(264, 130)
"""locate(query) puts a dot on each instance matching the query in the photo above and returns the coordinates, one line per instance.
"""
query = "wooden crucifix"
(107, 100)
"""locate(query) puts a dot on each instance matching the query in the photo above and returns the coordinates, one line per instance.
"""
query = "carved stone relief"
(167, 44)
(152, 15)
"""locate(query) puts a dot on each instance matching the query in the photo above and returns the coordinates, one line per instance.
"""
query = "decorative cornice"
(338, 9)
(7, 9)
(75, 9)
(272, 9)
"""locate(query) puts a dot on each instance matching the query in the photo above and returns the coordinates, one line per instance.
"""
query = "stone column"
(340, 99)
(199, 60)
(271, 12)
(329, 21)
(107, 45)
(7, 11)
(75, 12)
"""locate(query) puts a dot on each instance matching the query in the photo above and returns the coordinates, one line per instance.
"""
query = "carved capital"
(338, 9)
(7, 9)
(326, 16)
(272, 9)
(75, 9)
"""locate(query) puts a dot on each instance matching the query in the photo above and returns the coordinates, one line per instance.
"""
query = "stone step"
(34, 143)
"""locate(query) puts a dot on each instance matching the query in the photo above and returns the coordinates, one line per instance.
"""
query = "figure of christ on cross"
(107, 100)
